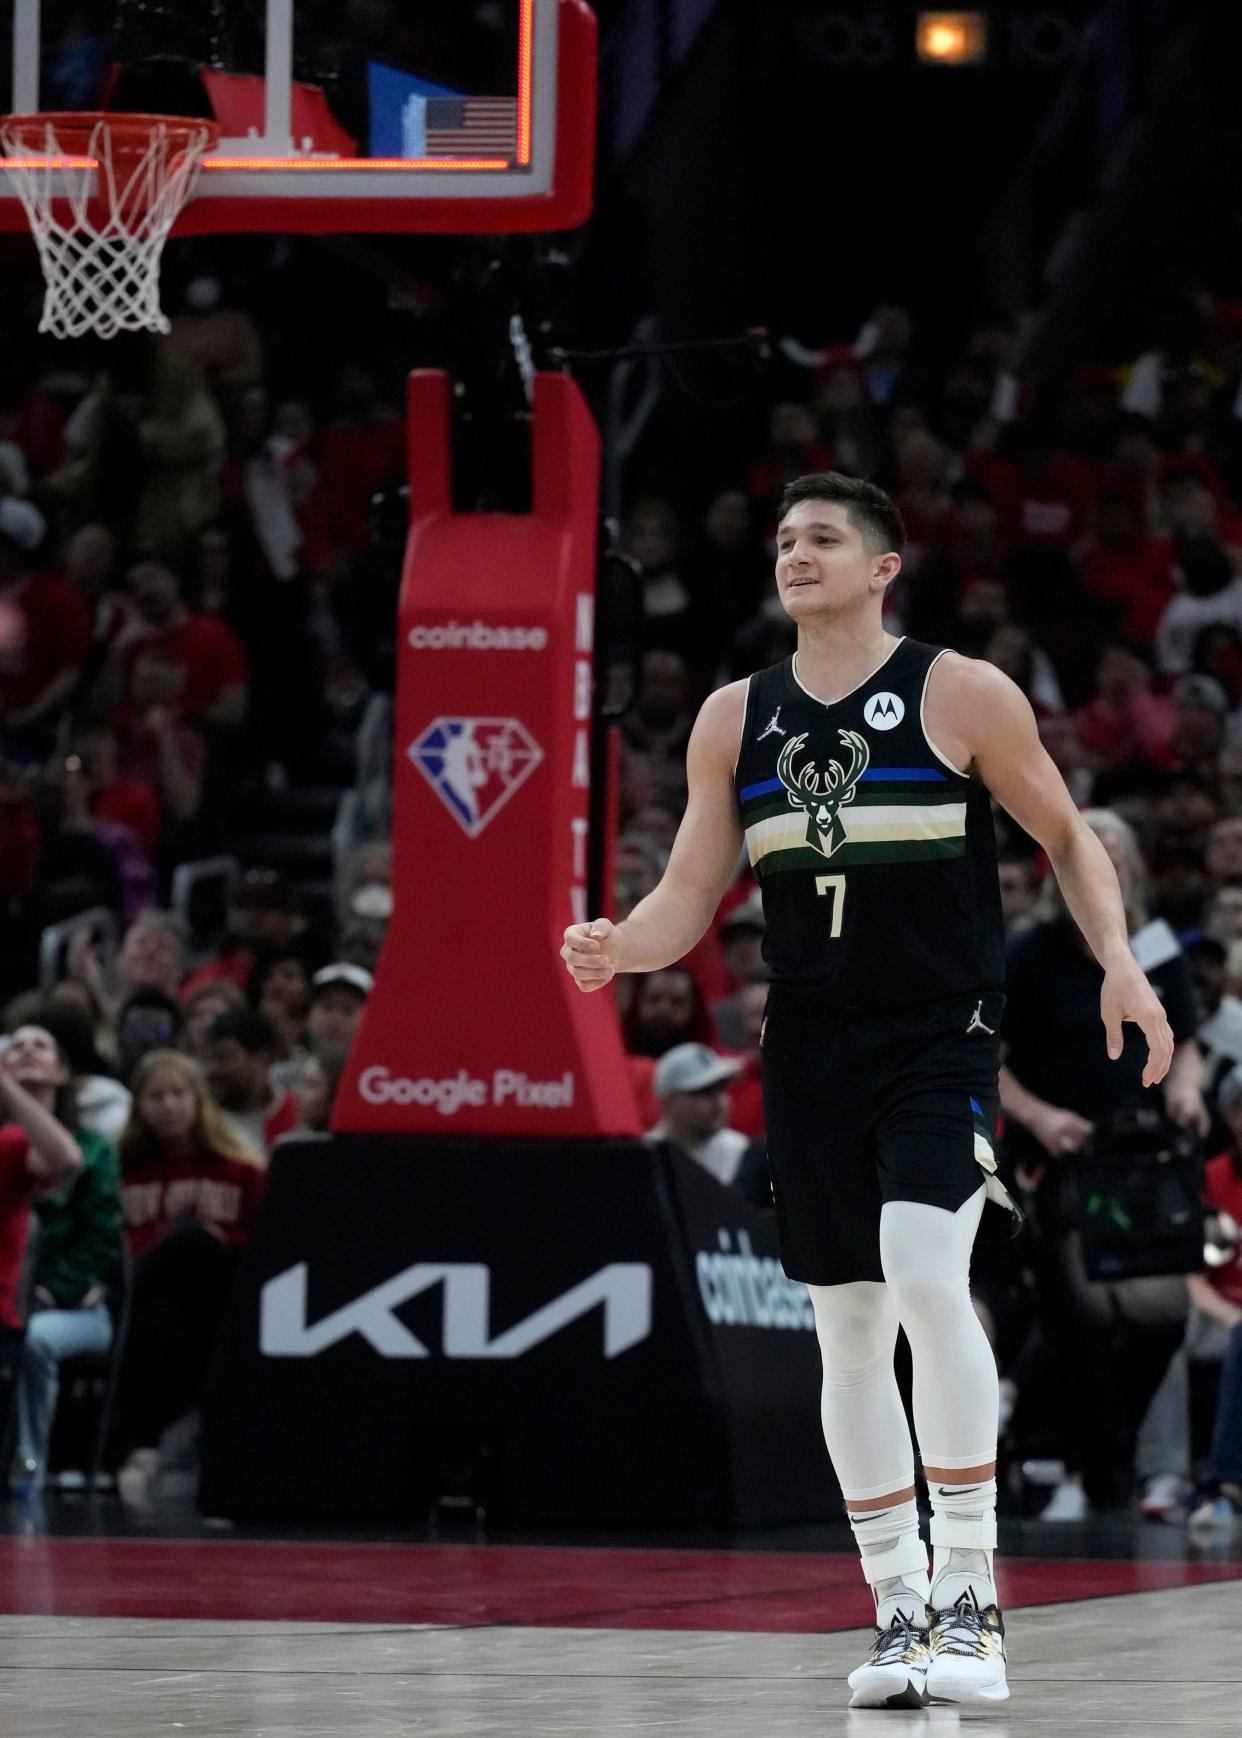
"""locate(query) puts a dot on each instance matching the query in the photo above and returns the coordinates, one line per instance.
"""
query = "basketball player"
(859, 774)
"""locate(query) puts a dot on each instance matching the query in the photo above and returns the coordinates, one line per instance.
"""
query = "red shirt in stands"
(17, 1187)
(1042, 505)
(1137, 577)
(133, 804)
(282, 1119)
(353, 464)
(57, 638)
(208, 654)
(1224, 1191)
(138, 748)
(746, 1098)
(233, 967)
(224, 1194)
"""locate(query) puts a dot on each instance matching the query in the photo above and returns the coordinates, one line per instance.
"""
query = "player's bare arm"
(980, 719)
(666, 924)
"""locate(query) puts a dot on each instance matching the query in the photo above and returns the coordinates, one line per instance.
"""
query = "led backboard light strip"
(282, 163)
(526, 48)
(330, 165)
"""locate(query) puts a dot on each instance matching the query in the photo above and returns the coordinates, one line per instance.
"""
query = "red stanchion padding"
(474, 1026)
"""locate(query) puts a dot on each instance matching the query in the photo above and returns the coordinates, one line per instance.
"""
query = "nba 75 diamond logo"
(474, 765)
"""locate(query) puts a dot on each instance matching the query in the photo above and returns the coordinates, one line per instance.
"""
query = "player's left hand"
(1127, 995)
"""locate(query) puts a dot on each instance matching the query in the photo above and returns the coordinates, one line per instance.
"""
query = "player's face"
(822, 564)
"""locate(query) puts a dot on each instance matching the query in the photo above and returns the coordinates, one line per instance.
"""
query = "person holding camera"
(37, 1155)
(78, 1210)
(1215, 1330)
(1111, 1341)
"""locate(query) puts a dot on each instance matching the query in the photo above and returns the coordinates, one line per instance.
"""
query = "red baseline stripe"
(589, 1588)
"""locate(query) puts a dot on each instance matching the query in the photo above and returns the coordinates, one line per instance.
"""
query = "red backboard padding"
(474, 1027)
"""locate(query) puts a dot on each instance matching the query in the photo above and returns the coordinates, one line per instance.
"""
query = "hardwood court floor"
(223, 1637)
(1150, 1663)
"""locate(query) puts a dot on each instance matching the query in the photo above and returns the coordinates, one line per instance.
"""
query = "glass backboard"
(337, 115)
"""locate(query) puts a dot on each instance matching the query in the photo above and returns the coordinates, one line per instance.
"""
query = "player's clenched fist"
(590, 953)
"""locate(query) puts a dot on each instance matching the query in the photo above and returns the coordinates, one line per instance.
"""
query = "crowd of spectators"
(139, 1118)
(177, 531)
(1087, 539)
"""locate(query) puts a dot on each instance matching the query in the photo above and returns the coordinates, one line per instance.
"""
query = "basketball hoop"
(101, 193)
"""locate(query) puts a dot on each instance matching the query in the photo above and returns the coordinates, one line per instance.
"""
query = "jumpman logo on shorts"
(976, 1024)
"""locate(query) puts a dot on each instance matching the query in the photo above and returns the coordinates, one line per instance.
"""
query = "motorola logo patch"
(884, 711)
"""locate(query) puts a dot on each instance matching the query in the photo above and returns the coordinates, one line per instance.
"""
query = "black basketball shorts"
(868, 1106)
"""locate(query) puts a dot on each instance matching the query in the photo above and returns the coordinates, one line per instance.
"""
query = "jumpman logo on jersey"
(772, 728)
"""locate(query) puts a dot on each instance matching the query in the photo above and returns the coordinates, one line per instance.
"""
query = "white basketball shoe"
(967, 1647)
(895, 1671)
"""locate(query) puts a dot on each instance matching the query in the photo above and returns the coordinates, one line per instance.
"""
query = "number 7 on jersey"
(834, 887)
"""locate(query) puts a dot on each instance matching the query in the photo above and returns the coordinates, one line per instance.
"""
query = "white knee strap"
(965, 1518)
(889, 1542)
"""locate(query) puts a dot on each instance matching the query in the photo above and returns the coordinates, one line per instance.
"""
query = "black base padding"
(555, 1333)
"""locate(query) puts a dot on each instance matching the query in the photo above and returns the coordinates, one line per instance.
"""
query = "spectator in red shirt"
(42, 662)
(264, 920)
(747, 1094)
(190, 1191)
(1043, 492)
(242, 1048)
(1126, 568)
(1126, 723)
(213, 686)
(155, 745)
(114, 795)
(37, 1156)
(359, 451)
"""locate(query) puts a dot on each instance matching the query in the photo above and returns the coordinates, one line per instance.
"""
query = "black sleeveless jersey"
(876, 858)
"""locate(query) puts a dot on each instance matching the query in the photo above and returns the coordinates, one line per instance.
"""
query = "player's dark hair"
(870, 509)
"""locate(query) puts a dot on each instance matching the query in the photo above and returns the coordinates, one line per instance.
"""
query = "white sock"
(963, 1534)
(894, 1561)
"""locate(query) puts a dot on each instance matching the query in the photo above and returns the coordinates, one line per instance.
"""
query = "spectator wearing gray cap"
(691, 1083)
(338, 994)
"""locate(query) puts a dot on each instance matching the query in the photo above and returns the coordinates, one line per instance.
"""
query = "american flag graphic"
(471, 127)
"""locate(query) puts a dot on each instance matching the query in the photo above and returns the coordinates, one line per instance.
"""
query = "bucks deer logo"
(823, 795)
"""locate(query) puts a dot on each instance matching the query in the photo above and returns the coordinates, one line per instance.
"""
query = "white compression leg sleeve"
(925, 1253)
(866, 1431)
(864, 1421)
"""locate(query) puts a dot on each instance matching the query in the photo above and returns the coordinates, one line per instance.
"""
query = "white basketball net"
(100, 230)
